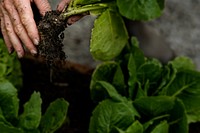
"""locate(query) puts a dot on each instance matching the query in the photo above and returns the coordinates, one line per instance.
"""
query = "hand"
(18, 26)
(62, 5)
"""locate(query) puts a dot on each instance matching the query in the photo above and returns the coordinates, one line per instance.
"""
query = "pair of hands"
(18, 26)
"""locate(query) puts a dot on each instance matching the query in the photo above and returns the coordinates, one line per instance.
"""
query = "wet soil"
(51, 28)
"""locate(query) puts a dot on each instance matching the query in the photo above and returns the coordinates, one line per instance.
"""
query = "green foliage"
(31, 120)
(165, 97)
(10, 67)
(109, 35)
(54, 116)
(9, 102)
(158, 98)
(9, 129)
(135, 94)
(110, 44)
(163, 127)
(110, 114)
(140, 9)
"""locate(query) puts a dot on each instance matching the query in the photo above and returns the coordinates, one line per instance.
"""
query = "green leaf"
(137, 53)
(136, 127)
(150, 124)
(109, 114)
(150, 70)
(3, 119)
(103, 90)
(172, 111)
(154, 105)
(140, 9)
(110, 72)
(163, 127)
(140, 91)
(54, 116)
(168, 75)
(136, 59)
(109, 36)
(178, 120)
(134, 42)
(186, 86)
(10, 67)
(9, 129)
(132, 76)
(14, 73)
(30, 118)
(183, 62)
(104, 72)
(119, 81)
(9, 101)
(2, 69)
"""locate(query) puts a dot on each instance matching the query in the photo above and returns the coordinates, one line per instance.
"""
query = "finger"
(20, 30)
(14, 40)
(43, 6)
(5, 37)
(73, 19)
(27, 19)
(61, 6)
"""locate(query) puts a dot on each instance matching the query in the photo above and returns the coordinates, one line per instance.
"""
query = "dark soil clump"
(51, 28)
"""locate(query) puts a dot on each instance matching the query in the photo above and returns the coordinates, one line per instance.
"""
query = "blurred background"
(175, 33)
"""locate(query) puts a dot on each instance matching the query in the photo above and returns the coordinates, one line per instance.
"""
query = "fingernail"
(34, 52)
(36, 41)
(19, 55)
(10, 50)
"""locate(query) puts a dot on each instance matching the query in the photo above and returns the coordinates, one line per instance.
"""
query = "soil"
(51, 28)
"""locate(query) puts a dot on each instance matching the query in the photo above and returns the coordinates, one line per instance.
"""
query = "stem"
(83, 9)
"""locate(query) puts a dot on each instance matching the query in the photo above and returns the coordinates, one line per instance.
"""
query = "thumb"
(43, 6)
(63, 4)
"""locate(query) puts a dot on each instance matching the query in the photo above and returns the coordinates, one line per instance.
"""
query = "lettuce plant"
(109, 35)
(31, 120)
(136, 94)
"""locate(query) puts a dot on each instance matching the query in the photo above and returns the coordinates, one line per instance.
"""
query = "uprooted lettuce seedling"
(51, 28)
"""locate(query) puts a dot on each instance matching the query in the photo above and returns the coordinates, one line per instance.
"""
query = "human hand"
(18, 26)
(62, 5)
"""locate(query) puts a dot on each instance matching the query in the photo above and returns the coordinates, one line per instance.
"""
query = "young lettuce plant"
(136, 94)
(109, 35)
(31, 120)
(140, 95)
